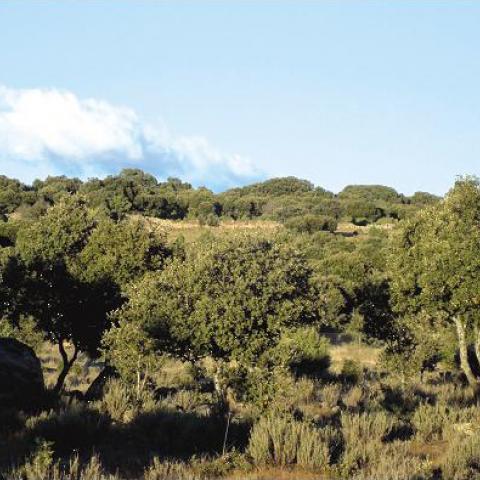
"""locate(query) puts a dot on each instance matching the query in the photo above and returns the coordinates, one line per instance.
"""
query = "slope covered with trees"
(134, 191)
(304, 348)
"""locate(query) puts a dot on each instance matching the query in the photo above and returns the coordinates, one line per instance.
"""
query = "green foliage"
(74, 269)
(228, 300)
(435, 266)
(304, 351)
(135, 191)
(130, 350)
(435, 263)
(311, 224)
(351, 371)
(8, 233)
(25, 330)
(64, 306)
(122, 251)
(61, 234)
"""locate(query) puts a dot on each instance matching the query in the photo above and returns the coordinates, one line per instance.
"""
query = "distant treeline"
(280, 199)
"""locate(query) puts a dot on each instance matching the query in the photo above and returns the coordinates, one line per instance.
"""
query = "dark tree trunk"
(472, 379)
(67, 365)
(477, 344)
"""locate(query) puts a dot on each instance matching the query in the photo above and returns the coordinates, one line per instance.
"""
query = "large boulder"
(21, 377)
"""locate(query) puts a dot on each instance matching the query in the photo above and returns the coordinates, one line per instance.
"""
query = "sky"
(224, 93)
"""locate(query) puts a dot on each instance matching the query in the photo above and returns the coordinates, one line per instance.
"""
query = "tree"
(229, 301)
(122, 251)
(75, 270)
(435, 268)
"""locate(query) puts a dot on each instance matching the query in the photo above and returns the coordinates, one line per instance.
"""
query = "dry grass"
(191, 230)
(364, 355)
(82, 374)
(349, 228)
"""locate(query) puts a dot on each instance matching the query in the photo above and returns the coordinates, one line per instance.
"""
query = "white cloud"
(49, 131)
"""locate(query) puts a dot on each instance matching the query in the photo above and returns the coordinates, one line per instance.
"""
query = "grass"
(364, 355)
(191, 230)
(369, 428)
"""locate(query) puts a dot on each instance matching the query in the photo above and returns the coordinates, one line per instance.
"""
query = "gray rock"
(21, 377)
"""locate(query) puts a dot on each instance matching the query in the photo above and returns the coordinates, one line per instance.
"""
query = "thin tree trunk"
(464, 363)
(67, 365)
(477, 344)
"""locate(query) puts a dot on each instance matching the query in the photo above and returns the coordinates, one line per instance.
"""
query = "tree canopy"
(435, 267)
(229, 301)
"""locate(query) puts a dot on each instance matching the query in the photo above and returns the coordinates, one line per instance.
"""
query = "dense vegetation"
(280, 199)
(343, 340)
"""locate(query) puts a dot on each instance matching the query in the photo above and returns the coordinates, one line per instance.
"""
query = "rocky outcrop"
(21, 378)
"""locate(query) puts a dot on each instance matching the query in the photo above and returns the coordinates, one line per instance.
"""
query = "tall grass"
(282, 440)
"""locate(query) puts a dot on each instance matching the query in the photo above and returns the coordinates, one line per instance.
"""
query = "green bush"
(304, 351)
(311, 223)
(351, 371)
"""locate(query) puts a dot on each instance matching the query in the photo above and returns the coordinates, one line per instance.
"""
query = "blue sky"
(224, 93)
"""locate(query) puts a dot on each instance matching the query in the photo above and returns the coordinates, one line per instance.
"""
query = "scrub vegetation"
(276, 330)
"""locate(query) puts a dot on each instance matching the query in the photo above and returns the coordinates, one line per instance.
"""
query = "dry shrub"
(282, 440)
(362, 436)
(434, 422)
(116, 401)
(168, 471)
(429, 420)
(76, 427)
(462, 460)
(353, 397)
(395, 463)
(41, 466)
(188, 401)
(331, 394)
(196, 469)
(455, 395)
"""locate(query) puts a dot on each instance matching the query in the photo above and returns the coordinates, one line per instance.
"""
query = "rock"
(21, 377)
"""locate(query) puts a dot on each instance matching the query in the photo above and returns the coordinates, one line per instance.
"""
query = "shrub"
(353, 397)
(429, 421)
(117, 400)
(40, 462)
(282, 440)
(166, 470)
(304, 351)
(188, 401)
(42, 467)
(212, 220)
(311, 223)
(434, 422)
(362, 439)
(331, 394)
(395, 463)
(462, 461)
(70, 429)
(351, 371)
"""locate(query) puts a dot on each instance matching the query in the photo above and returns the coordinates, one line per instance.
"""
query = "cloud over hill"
(51, 131)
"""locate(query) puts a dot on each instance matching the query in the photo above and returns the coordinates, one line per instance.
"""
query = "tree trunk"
(67, 365)
(464, 363)
(477, 344)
